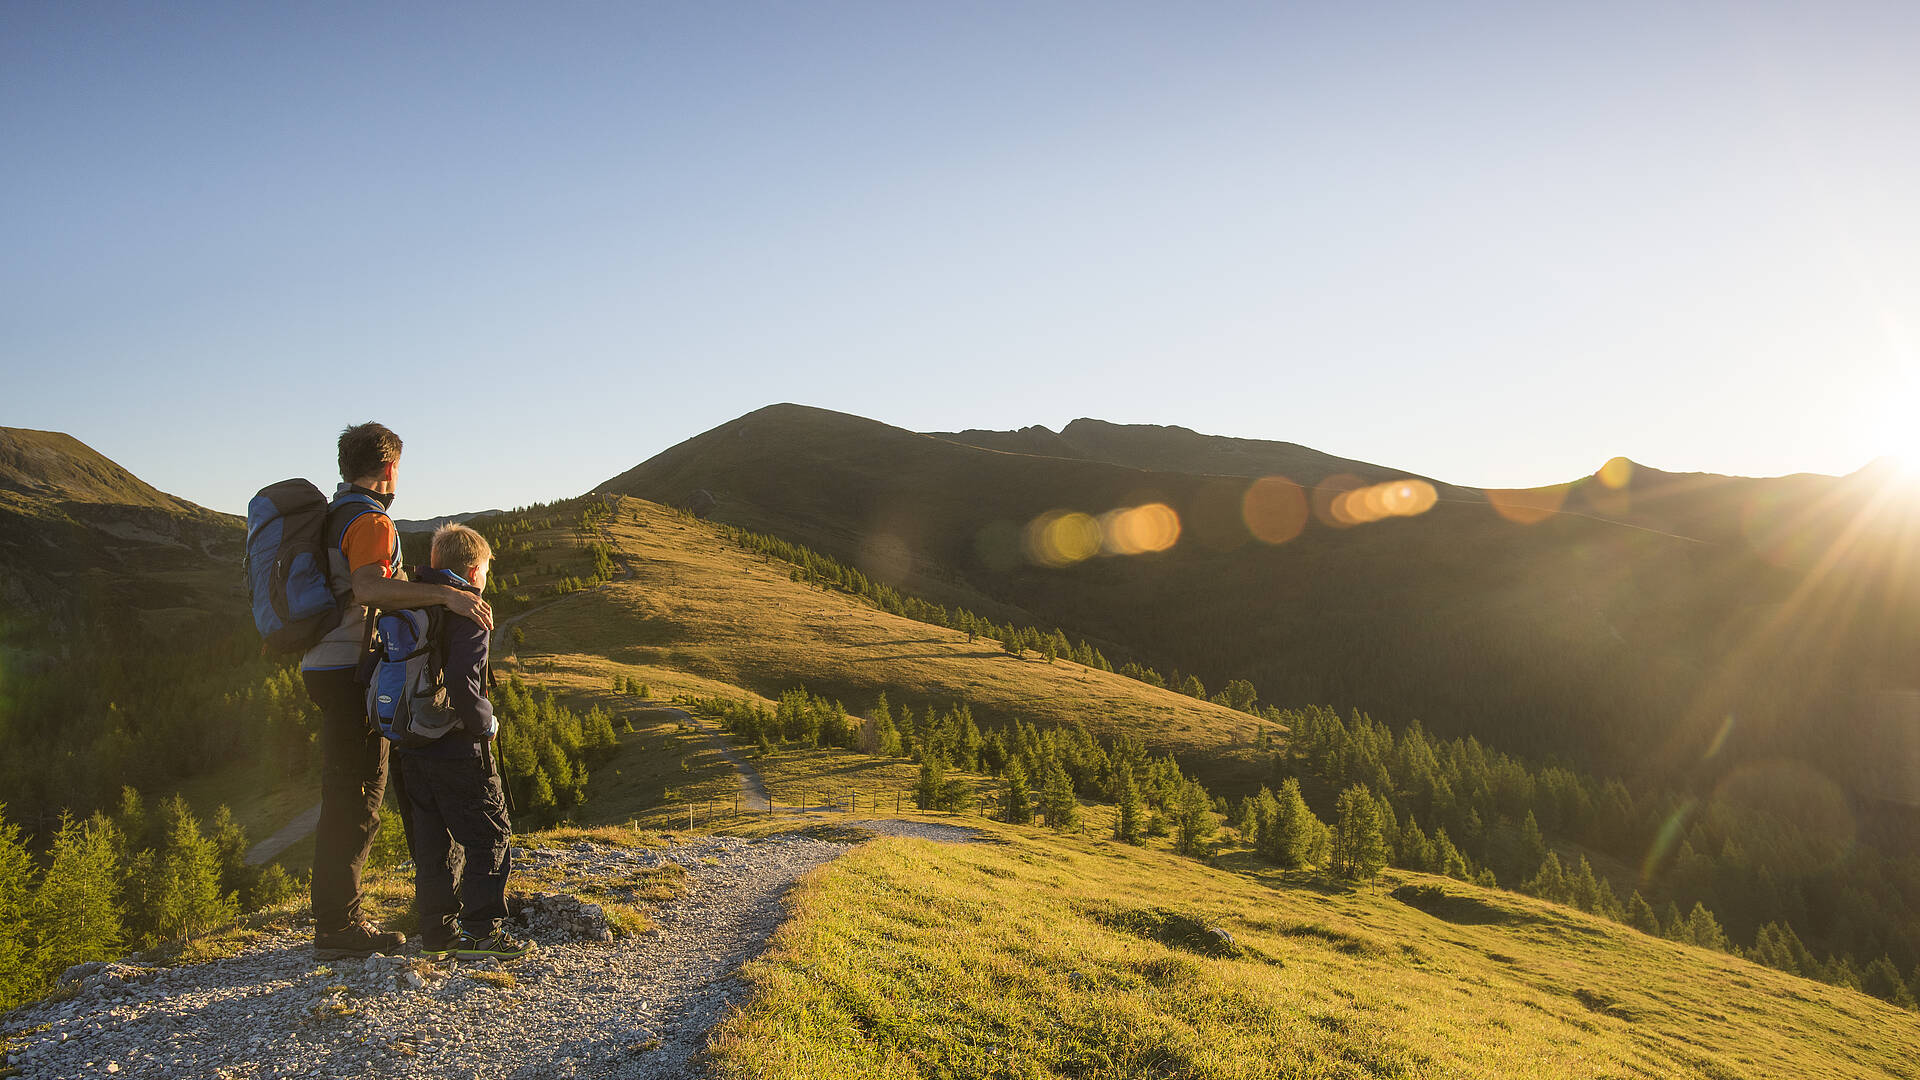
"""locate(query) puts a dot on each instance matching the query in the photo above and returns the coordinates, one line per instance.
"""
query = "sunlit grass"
(1046, 956)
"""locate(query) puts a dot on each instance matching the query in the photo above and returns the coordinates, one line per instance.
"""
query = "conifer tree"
(1550, 881)
(1246, 819)
(1640, 916)
(1672, 924)
(877, 717)
(540, 796)
(272, 888)
(1062, 809)
(188, 900)
(1196, 823)
(1703, 929)
(1295, 829)
(1531, 850)
(1416, 851)
(17, 981)
(1841, 972)
(1019, 796)
(74, 916)
(1240, 695)
(1359, 849)
(1583, 890)
(1605, 903)
(230, 842)
(1447, 858)
(932, 783)
(1319, 842)
(131, 819)
(1130, 829)
(1882, 980)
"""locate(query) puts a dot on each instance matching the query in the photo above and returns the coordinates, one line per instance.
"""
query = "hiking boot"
(360, 940)
(500, 945)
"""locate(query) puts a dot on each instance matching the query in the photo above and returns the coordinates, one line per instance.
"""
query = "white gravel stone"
(580, 1008)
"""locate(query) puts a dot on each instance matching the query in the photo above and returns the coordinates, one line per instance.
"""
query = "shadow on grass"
(923, 656)
(1459, 908)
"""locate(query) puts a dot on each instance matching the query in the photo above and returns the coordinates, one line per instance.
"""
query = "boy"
(364, 570)
(452, 787)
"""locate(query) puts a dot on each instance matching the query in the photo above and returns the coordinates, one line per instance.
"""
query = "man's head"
(369, 456)
(463, 551)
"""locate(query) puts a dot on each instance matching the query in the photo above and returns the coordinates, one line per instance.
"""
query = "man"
(364, 557)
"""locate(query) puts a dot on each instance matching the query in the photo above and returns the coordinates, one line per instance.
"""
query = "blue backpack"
(407, 697)
(290, 526)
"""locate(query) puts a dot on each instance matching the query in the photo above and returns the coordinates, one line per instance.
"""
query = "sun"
(1897, 426)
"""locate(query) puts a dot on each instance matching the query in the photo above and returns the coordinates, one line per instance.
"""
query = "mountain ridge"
(1531, 618)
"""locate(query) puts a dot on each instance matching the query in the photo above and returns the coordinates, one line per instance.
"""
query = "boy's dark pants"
(353, 781)
(457, 806)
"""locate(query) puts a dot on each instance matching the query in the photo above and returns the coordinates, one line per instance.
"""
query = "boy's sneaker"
(499, 945)
(441, 951)
(360, 940)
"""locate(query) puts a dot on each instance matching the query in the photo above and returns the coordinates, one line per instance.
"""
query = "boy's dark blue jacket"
(466, 675)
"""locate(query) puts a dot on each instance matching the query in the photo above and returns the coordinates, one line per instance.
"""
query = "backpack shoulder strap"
(346, 509)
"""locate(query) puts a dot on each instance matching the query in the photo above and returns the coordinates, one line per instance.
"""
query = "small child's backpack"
(286, 562)
(407, 696)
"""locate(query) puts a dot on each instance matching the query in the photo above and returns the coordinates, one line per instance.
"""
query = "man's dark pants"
(456, 804)
(353, 780)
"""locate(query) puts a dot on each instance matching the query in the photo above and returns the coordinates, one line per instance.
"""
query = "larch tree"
(1359, 847)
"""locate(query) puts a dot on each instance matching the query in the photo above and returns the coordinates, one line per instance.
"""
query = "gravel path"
(635, 1008)
(753, 790)
(290, 834)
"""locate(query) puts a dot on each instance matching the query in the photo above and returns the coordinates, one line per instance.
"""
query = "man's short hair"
(365, 449)
(456, 547)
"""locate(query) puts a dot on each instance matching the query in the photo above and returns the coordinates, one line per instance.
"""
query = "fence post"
(689, 813)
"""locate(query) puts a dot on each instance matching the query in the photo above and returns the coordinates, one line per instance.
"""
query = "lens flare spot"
(1139, 530)
(886, 557)
(1615, 474)
(1527, 506)
(1275, 509)
(1377, 502)
(1062, 538)
(1329, 499)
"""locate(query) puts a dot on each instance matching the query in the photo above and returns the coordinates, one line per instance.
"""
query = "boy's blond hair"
(456, 547)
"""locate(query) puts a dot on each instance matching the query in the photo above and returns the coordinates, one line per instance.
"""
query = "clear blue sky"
(1495, 244)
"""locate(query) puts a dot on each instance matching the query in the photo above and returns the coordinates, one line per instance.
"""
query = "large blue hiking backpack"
(290, 527)
(407, 697)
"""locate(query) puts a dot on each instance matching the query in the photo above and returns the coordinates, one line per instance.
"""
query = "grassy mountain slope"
(1615, 642)
(1047, 956)
(700, 615)
(56, 467)
(79, 533)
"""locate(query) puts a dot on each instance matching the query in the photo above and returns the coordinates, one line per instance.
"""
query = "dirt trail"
(753, 789)
(291, 833)
(642, 1007)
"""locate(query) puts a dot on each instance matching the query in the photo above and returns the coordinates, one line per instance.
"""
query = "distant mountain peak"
(57, 467)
